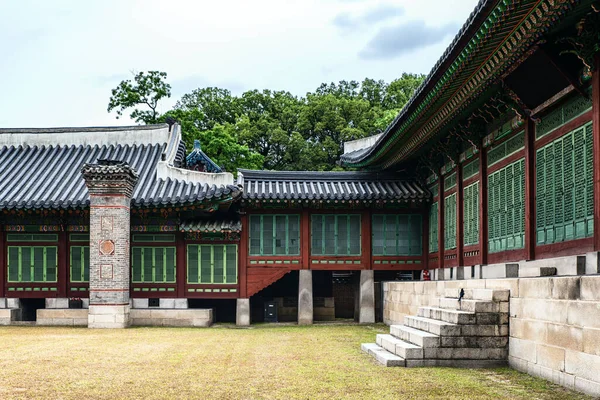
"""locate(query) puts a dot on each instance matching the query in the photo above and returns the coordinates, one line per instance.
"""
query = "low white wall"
(554, 322)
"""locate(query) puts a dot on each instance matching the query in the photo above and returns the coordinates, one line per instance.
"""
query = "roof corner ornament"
(586, 43)
(170, 121)
(197, 160)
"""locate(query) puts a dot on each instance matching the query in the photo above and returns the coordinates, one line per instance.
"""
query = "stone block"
(8, 315)
(2, 302)
(535, 288)
(545, 310)
(592, 266)
(86, 303)
(517, 363)
(586, 386)
(510, 284)
(103, 317)
(535, 272)
(566, 336)
(242, 314)
(80, 322)
(550, 357)
(523, 349)
(584, 314)
(529, 329)
(305, 297)
(13, 303)
(590, 288)
(58, 302)
(591, 341)
(516, 307)
(139, 303)
(484, 330)
(566, 288)
(511, 270)
(452, 353)
(582, 365)
(167, 303)
(474, 341)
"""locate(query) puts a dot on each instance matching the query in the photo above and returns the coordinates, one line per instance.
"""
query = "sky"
(61, 58)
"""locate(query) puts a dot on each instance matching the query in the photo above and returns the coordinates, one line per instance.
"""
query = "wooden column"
(63, 263)
(305, 239)
(425, 242)
(181, 272)
(243, 258)
(441, 201)
(529, 189)
(3, 263)
(459, 216)
(483, 204)
(365, 239)
(596, 133)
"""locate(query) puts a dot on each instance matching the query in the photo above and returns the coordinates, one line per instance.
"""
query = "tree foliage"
(146, 91)
(277, 130)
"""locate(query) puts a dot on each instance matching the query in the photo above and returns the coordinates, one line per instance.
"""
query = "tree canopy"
(272, 129)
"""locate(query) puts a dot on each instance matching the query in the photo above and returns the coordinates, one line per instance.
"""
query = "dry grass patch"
(262, 362)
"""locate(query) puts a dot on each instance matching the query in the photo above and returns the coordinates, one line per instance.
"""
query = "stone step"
(456, 363)
(532, 272)
(474, 306)
(434, 326)
(465, 353)
(481, 342)
(479, 294)
(447, 315)
(415, 336)
(383, 356)
(399, 347)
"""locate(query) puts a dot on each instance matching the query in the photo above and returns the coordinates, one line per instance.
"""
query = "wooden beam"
(305, 239)
(529, 189)
(441, 220)
(596, 142)
(365, 245)
(243, 258)
(63, 263)
(459, 216)
(483, 204)
(181, 273)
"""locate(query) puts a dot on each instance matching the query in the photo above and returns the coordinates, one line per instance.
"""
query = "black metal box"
(270, 311)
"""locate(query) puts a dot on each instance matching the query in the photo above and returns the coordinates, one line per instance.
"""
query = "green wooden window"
(79, 237)
(32, 263)
(568, 111)
(274, 235)
(335, 235)
(471, 169)
(433, 228)
(161, 237)
(212, 263)
(565, 188)
(471, 214)
(80, 263)
(31, 237)
(450, 181)
(506, 208)
(397, 235)
(450, 222)
(501, 151)
(153, 264)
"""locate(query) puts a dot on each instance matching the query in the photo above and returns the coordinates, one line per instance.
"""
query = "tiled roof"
(302, 185)
(211, 225)
(41, 168)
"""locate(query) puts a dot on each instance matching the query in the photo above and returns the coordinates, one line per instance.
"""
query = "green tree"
(212, 106)
(146, 90)
(221, 144)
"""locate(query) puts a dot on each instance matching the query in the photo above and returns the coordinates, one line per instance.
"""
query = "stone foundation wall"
(554, 322)
(62, 317)
(179, 317)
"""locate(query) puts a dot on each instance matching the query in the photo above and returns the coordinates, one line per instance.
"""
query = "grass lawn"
(261, 362)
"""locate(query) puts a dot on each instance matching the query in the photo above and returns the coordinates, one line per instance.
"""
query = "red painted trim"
(568, 248)
(339, 267)
(529, 189)
(266, 258)
(596, 133)
(243, 257)
(483, 204)
(564, 129)
(62, 273)
(195, 295)
(459, 216)
(398, 267)
(305, 242)
(365, 239)
(425, 242)
(506, 256)
(181, 268)
(3, 263)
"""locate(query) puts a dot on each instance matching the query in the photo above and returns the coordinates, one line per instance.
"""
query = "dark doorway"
(29, 308)
(223, 310)
(344, 289)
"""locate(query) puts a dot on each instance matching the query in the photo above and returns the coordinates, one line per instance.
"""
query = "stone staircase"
(472, 333)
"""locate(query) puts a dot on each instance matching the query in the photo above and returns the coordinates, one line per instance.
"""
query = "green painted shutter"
(450, 222)
(212, 264)
(471, 214)
(153, 264)
(192, 263)
(433, 228)
(80, 263)
(335, 234)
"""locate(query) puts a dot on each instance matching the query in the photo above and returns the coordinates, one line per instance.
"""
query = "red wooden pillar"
(441, 222)
(305, 239)
(181, 272)
(63, 263)
(459, 216)
(365, 238)
(243, 258)
(425, 242)
(483, 204)
(596, 133)
(3, 263)
(529, 189)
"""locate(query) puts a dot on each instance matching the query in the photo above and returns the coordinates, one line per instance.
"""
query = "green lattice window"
(471, 169)
(80, 263)
(450, 222)
(471, 214)
(31, 237)
(397, 235)
(450, 181)
(335, 235)
(433, 228)
(506, 207)
(32, 263)
(499, 152)
(565, 188)
(212, 263)
(274, 235)
(570, 110)
(153, 264)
